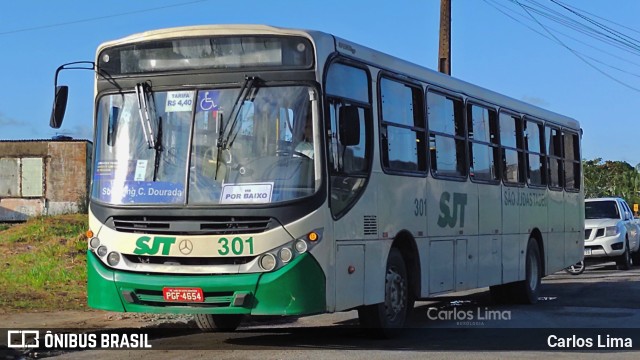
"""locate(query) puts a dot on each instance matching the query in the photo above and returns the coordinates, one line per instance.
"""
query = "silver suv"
(611, 231)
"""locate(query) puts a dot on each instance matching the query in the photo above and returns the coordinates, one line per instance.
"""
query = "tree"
(611, 178)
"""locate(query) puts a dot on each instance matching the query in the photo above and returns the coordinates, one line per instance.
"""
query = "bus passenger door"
(489, 239)
(453, 236)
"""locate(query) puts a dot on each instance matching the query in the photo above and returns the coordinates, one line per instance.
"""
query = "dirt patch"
(90, 319)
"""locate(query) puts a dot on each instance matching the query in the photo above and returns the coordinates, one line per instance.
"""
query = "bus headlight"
(102, 251)
(94, 242)
(268, 262)
(285, 255)
(301, 246)
(113, 259)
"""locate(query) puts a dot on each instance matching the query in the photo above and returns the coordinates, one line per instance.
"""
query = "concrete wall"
(41, 177)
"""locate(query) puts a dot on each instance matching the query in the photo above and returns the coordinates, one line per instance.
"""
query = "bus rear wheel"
(381, 319)
(211, 323)
(526, 291)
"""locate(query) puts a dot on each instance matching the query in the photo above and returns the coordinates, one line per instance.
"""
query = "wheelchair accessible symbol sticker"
(208, 100)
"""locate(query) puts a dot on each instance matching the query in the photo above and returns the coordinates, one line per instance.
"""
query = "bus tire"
(526, 292)
(381, 320)
(211, 323)
(624, 261)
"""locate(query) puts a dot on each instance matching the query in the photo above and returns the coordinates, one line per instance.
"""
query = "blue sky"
(496, 44)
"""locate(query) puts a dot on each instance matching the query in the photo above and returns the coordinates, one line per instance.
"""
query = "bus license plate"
(587, 251)
(183, 294)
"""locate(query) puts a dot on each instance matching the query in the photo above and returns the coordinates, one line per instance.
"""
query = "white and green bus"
(255, 170)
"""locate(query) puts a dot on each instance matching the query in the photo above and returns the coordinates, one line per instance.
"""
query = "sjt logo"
(449, 216)
(164, 242)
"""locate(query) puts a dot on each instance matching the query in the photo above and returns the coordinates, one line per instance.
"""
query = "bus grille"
(370, 225)
(200, 261)
(218, 225)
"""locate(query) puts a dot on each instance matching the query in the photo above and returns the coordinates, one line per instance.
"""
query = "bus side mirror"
(59, 106)
(349, 128)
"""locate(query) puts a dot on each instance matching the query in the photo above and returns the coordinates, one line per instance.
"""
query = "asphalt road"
(601, 302)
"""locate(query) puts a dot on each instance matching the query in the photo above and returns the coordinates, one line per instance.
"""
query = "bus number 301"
(421, 207)
(235, 246)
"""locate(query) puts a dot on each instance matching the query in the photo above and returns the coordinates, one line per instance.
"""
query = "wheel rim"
(395, 295)
(576, 268)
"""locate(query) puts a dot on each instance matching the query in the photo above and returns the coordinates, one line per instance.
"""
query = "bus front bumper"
(297, 288)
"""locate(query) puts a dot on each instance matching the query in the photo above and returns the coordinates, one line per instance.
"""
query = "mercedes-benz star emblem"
(185, 247)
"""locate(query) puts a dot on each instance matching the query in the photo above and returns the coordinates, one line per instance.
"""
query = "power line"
(497, 7)
(601, 18)
(48, 26)
(623, 38)
(525, 8)
(603, 34)
(562, 19)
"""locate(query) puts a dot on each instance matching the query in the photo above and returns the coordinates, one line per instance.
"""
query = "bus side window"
(536, 159)
(554, 150)
(447, 138)
(402, 127)
(572, 161)
(482, 130)
(512, 145)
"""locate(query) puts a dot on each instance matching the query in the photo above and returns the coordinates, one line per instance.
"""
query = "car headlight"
(611, 231)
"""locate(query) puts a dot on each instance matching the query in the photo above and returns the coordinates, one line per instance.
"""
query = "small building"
(43, 177)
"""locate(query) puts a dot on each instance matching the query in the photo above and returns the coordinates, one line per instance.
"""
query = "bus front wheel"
(211, 323)
(380, 319)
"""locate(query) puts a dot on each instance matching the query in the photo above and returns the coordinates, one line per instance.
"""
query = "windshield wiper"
(158, 147)
(224, 136)
(142, 92)
(147, 107)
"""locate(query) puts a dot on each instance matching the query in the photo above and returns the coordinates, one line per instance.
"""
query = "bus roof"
(330, 43)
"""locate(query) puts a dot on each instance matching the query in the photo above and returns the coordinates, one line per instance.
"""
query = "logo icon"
(23, 338)
(185, 247)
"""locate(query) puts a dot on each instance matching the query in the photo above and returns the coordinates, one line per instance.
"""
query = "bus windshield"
(249, 145)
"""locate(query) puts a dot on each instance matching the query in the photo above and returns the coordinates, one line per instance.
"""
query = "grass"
(43, 264)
